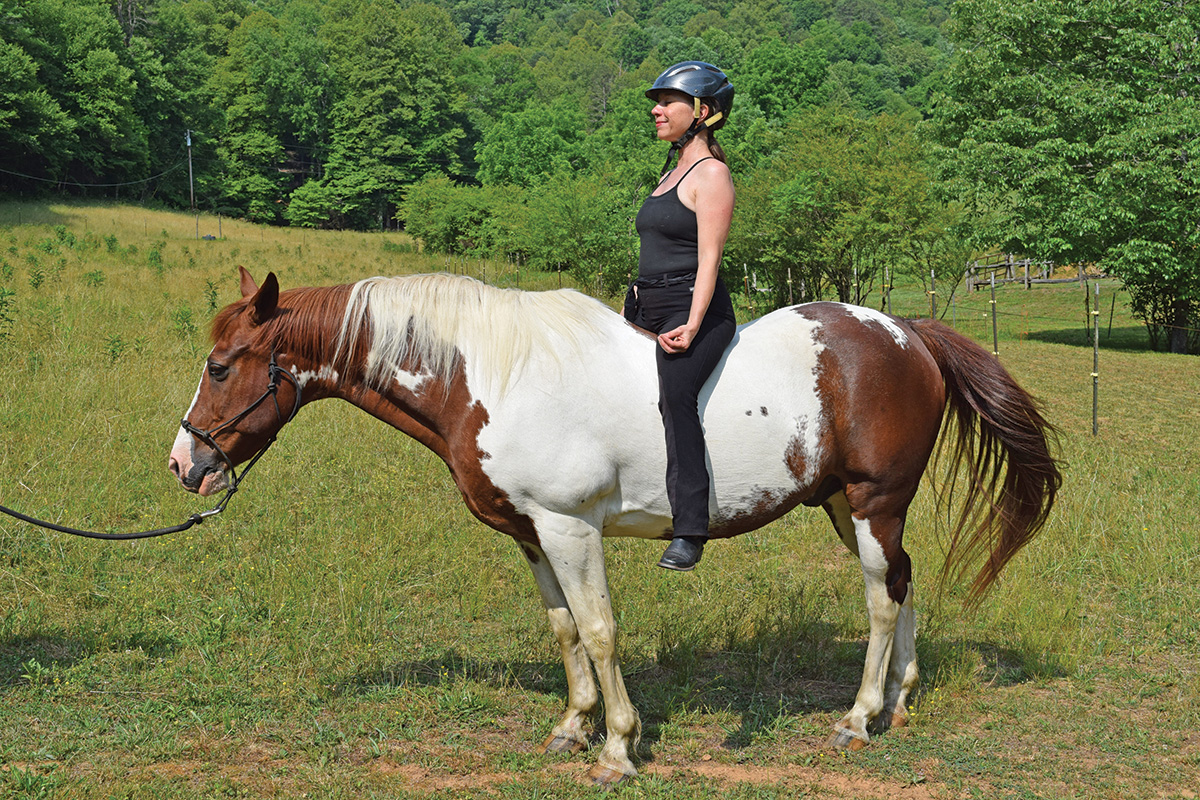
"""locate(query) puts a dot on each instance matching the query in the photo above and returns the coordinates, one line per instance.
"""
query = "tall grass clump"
(8, 311)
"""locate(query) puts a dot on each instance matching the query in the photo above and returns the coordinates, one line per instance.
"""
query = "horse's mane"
(440, 318)
(305, 321)
(435, 319)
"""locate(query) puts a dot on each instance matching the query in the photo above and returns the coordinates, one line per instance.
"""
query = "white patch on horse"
(582, 436)
(323, 373)
(870, 552)
(184, 443)
(412, 381)
(597, 450)
(749, 453)
(869, 315)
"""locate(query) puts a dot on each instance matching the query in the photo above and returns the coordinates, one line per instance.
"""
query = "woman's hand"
(677, 340)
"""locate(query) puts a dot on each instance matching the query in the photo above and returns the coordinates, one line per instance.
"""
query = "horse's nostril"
(173, 465)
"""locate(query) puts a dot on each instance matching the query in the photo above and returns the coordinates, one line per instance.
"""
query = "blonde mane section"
(440, 318)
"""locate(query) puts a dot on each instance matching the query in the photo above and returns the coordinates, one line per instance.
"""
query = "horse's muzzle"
(203, 479)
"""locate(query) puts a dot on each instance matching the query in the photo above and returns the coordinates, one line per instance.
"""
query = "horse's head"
(243, 399)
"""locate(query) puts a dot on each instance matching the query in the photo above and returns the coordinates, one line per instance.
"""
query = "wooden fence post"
(932, 296)
(1096, 363)
(995, 332)
(887, 289)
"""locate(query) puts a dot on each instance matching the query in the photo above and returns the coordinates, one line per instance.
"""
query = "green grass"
(347, 629)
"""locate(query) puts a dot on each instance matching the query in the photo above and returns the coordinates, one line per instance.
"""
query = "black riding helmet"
(706, 85)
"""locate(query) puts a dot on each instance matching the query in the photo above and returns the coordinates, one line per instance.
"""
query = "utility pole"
(191, 186)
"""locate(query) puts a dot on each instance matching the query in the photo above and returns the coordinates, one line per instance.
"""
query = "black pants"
(680, 378)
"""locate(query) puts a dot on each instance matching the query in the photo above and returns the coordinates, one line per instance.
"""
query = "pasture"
(347, 629)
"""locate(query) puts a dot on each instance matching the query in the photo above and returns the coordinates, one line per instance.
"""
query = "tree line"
(897, 134)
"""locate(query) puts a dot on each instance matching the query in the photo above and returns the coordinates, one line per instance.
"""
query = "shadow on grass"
(22, 655)
(961, 662)
(1129, 339)
(25, 659)
(33, 212)
(764, 682)
(543, 677)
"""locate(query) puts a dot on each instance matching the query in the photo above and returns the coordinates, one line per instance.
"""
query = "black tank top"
(667, 229)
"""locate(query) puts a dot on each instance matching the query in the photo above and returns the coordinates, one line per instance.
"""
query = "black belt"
(665, 280)
(632, 302)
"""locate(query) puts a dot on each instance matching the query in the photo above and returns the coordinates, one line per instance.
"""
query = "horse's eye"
(218, 371)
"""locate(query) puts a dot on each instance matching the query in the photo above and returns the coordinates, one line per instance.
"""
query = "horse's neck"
(447, 412)
(412, 400)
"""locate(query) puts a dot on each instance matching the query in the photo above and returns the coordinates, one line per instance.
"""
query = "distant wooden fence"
(1024, 271)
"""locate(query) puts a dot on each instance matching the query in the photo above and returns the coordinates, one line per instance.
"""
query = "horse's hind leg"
(838, 509)
(890, 671)
(903, 675)
(569, 735)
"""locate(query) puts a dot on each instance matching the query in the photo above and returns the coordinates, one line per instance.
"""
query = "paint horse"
(544, 407)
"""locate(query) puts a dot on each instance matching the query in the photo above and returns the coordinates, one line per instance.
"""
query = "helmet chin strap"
(696, 126)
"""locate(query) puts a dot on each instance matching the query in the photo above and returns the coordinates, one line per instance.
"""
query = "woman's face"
(673, 113)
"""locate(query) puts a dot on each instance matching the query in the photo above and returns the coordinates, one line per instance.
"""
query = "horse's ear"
(248, 285)
(262, 305)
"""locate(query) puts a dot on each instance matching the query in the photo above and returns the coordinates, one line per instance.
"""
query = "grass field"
(347, 629)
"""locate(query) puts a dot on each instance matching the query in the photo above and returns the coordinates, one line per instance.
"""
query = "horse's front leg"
(569, 735)
(575, 553)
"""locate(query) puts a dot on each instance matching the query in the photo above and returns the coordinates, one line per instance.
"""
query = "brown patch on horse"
(487, 502)
(446, 418)
(899, 576)
(876, 395)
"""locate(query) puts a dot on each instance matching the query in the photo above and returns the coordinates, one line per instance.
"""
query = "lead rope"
(194, 519)
(275, 372)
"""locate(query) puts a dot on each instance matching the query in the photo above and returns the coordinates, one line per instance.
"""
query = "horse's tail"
(1002, 444)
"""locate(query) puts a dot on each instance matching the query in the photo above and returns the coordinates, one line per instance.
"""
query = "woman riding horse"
(679, 295)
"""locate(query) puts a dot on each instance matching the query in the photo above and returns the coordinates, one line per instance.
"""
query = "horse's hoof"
(843, 740)
(899, 720)
(601, 775)
(564, 745)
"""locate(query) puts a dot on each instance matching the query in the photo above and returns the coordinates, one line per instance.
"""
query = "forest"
(867, 137)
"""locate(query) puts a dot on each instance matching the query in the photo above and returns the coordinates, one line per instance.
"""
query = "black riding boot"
(683, 553)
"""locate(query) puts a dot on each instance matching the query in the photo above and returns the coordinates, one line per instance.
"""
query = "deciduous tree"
(527, 147)
(400, 113)
(1071, 128)
(841, 196)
